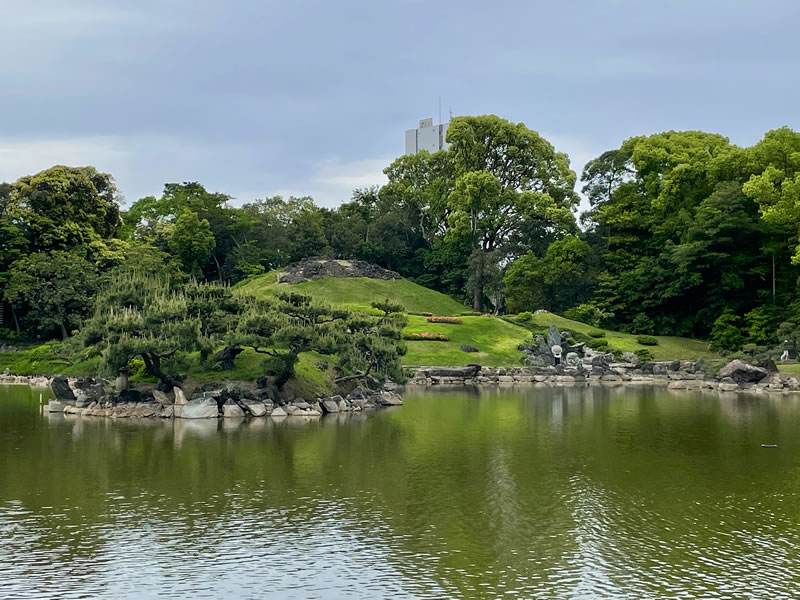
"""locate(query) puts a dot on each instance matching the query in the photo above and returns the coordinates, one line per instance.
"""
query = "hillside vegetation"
(496, 339)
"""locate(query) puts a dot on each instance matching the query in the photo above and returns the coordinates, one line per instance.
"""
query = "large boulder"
(573, 361)
(329, 405)
(130, 396)
(632, 358)
(202, 408)
(254, 408)
(768, 364)
(61, 388)
(742, 372)
(180, 397)
(231, 410)
(162, 398)
(466, 372)
(553, 336)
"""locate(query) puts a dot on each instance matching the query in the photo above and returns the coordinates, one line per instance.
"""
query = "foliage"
(597, 333)
(645, 355)
(589, 313)
(524, 317)
(420, 314)
(646, 340)
(726, 333)
(642, 324)
(53, 289)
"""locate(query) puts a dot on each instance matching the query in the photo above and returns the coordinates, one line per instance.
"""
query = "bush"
(524, 317)
(726, 333)
(447, 320)
(597, 344)
(646, 340)
(8, 335)
(420, 314)
(426, 336)
(469, 313)
(645, 355)
(643, 325)
(589, 313)
(596, 333)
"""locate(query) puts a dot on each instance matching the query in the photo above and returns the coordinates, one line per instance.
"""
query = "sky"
(255, 98)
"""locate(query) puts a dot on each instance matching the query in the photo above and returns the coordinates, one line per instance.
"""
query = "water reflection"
(530, 492)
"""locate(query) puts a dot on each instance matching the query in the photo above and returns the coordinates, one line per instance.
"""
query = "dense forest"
(685, 234)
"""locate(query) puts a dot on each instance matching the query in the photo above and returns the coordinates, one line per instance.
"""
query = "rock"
(130, 396)
(343, 406)
(468, 348)
(61, 388)
(279, 412)
(632, 358)
(231, 410)
(307, 413)
(320, 267)
(390, 399)
(255, 408)
(660, 369)
(202, 408)
(55, 406)
(600, 362)
(329, 405)
(462, 372)
(359, 392)
(301, 404)
(573, 360)
(675, 365)
(742, 372)
(161, 398)
(145, 410)
(168, 412)
(553, 336)
(180, 397)
(767, 364)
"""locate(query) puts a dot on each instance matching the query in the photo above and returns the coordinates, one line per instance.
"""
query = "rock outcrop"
(320, 267)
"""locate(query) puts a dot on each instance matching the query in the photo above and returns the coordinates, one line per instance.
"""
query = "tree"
(726, 333)
(141, 315)
(63, 208)
(53, 288)
(192, 241)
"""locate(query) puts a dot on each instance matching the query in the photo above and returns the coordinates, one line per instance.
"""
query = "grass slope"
(359, 292)
(668, 348)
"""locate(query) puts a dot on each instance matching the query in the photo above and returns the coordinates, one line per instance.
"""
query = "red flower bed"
(449, 320)
(426, 336)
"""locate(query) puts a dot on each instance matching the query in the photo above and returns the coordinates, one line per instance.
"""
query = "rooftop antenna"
(451, 113)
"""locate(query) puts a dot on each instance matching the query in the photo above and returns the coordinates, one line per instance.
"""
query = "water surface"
(515, 493)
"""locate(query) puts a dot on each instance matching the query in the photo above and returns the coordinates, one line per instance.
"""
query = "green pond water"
(511, 493)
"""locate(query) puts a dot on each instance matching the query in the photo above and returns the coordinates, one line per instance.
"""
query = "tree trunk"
(477, 293)
(64, 334)
(16, 321)
(219, 270)
(286, 373)
(773, 279)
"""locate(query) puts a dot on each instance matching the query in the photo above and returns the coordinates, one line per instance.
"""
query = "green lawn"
(668, 348)
(496, 339)
(359, 292)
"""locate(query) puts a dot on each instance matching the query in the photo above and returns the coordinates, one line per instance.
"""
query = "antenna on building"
(451, 112)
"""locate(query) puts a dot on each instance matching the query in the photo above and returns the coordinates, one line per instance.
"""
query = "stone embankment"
(737, 375)
(90, 397)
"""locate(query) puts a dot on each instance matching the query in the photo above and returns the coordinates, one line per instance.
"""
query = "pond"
(521, 492)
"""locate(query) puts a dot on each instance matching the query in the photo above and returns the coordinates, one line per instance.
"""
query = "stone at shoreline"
(254, 408)
(161, 398)
(61, 388)
(180, 397)
(130, 396)
(660, 369)
(768, 364)
(145, 410)
(742, 372)
(231, 409)
(202, 408)
(675, 365)
(632, 358)
(466, 371)
(390, 399)
(329, 405)
(278, 412)
(55, 406)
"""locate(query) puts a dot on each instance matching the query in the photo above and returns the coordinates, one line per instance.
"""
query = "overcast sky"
(255, 97)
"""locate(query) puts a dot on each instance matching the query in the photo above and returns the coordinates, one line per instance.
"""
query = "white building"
(427, 136)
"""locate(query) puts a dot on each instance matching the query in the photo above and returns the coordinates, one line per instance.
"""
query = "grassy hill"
(359, 292)
(496, 338)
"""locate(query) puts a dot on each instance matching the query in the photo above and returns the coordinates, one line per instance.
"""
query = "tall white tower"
(427, 136)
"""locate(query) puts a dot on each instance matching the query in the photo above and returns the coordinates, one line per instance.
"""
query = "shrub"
(447, 320)
(597, 344)
(420, 314)
(643, 325)
(646, 340)
(726, 333)
(469, 313)
(596, 333)
(524, 317)
(8, 335)
(426, 336)
(589, 313)
(645, 355)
